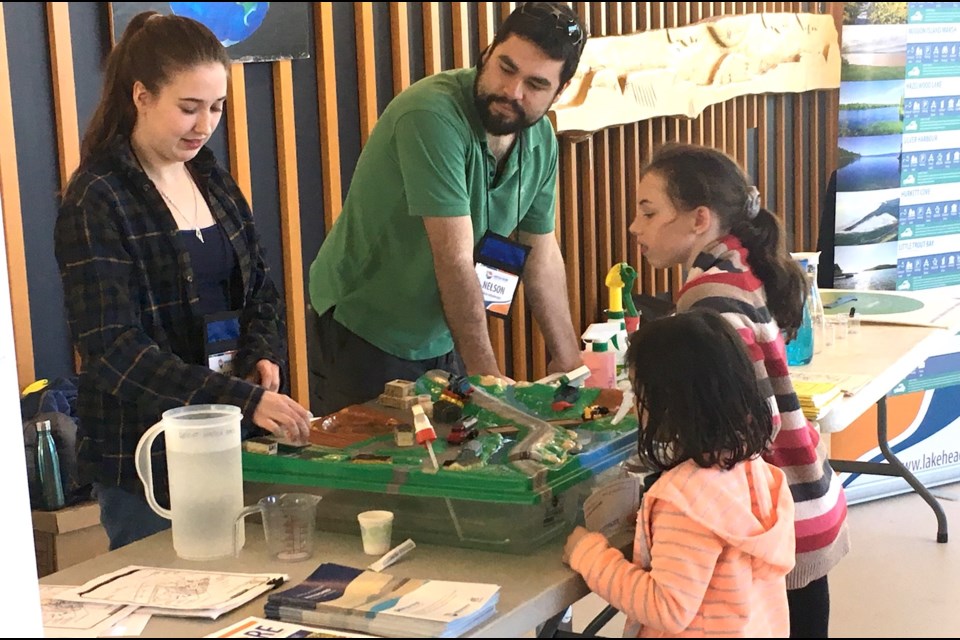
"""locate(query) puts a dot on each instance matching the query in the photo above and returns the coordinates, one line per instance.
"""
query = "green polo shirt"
(427, 156)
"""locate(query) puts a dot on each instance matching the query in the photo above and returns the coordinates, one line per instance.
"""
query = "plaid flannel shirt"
(131, 300)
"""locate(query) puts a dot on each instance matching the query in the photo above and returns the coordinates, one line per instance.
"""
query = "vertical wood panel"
(602, 195)
(290, 230)
(12, 223)
(763, 159)
(461, 34)
(571, 228)
(400, 45)
(815, 179)
(780, 113)
(64, 90)
(588, 229)
(432, 62)
(486, 23)
(518, 329)
(799, 210)
(742, 124)
(366, 68)
(329, 136)
(496, 327)
(238, 139)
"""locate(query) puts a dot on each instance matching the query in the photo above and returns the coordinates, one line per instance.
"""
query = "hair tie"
(753, 202)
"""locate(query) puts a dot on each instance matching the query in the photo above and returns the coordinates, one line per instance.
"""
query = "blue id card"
(221, 334)
(499, 265)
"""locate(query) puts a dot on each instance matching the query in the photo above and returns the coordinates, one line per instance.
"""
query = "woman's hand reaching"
(283, 417)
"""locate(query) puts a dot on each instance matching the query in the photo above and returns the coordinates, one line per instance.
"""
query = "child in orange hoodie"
(715, 534)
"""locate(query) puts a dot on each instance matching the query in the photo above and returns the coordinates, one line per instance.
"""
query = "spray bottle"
(599, 357)
(619, 283)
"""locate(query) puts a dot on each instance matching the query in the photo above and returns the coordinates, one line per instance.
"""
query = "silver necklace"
(193, 189)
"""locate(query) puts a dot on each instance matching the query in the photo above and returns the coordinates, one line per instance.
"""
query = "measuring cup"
(289, 520)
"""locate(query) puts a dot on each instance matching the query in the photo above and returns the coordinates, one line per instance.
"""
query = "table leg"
(554, 627)
(893, 467)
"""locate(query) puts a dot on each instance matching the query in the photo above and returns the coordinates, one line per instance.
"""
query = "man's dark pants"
(345, 369)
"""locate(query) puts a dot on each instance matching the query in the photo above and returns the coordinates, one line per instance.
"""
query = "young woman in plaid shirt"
(152, 236)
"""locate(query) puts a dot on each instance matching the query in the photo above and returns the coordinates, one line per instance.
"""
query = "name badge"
(499, 265)
(221, 332)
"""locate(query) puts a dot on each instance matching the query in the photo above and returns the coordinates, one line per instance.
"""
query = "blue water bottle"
(800, 349)
(48, 468)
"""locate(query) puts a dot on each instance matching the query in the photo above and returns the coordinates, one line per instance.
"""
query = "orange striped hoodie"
(710, 555)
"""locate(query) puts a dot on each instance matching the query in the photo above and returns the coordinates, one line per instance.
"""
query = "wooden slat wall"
(64, 91)
(290, 230)
(366, 69)
(329, 141)
(238, 139)
(598, 175)
(12, 223)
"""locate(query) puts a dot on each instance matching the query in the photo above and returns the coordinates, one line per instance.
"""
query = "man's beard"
(497, 124)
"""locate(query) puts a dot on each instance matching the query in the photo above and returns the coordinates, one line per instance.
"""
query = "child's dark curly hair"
(697, 393)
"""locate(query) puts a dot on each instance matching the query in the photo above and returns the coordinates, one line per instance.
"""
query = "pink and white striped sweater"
(721, 279)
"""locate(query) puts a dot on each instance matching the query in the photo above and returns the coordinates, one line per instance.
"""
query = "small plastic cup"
(853, 324)
(828, 331)
(376, 530)
(426, 403)
(840, 324)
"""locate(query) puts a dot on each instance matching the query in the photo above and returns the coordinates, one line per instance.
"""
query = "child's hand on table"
(572, 541)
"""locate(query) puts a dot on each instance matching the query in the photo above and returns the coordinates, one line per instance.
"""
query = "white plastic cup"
(853, 324)
(376, 530)
(426, 403)
(839, 322)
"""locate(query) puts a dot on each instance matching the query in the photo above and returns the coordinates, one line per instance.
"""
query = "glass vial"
(48, 468)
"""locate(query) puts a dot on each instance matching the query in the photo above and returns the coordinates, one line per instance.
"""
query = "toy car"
(594, 412)
(463, 431)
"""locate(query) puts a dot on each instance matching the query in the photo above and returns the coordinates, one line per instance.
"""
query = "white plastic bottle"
(619, 342)
(602, 364)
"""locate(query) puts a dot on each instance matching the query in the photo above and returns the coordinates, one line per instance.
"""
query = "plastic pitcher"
(289, 522)
(205, 478)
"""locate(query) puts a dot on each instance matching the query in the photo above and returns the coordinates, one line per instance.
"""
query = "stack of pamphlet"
(379, 604)
(816, 397)
(174, 592)
(817, 391)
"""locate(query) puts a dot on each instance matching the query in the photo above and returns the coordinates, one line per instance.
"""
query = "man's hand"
(266, 374)
(283, 417)
(556, 366)
(572, 541)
